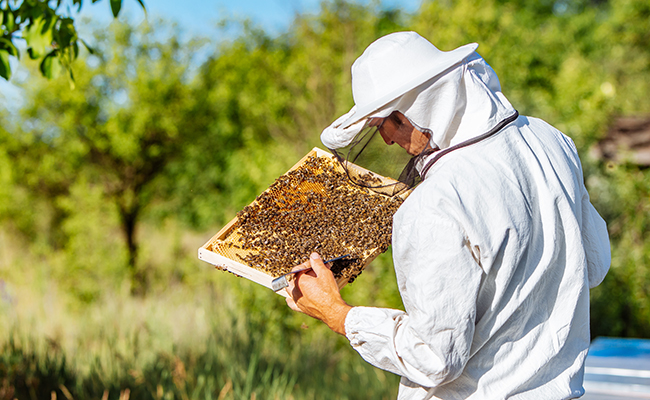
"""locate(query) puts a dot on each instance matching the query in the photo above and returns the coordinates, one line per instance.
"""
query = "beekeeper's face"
(396, 128)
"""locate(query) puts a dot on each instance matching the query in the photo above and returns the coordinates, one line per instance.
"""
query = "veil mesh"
(369, 151)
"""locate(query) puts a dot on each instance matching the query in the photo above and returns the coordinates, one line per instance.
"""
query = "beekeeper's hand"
(316, 294)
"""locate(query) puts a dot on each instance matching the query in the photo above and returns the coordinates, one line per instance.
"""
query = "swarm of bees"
(314, 208)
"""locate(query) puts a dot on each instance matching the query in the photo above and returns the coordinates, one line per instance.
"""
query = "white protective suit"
(494, 252)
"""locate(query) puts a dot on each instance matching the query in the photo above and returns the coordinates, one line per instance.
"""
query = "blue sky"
(200, 16)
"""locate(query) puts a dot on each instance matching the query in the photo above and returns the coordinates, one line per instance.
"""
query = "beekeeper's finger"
(292, 304)
(317, 264)
(294, 295)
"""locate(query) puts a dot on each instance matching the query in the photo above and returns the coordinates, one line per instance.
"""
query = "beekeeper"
(496, 249)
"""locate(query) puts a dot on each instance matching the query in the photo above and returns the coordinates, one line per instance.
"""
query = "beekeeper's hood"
(453, 95)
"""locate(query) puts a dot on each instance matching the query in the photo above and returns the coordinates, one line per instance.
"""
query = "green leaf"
(39, 35)
(116, 5)
(75, 50)
(66, 34)
(70, 75)
(88, 47)
(8, 45)
(51, 65)
(5, 67)
(8, 19)
(142, 4)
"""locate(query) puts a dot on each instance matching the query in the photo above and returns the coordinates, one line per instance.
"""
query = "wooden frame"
(231, 265)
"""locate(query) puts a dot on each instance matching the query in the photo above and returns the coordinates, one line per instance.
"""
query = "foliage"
(620, 305)
(119, 131)
(26, 373)
(117, 183)
(50, 36)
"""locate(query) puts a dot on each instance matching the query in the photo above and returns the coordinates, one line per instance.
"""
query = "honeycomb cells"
(314, 208)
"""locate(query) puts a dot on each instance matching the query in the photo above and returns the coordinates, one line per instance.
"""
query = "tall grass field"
(198, 333)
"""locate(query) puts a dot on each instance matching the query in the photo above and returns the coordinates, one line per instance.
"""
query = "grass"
(161, 348)
(205, 335)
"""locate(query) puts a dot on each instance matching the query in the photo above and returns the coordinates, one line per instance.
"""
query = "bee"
(313, 207)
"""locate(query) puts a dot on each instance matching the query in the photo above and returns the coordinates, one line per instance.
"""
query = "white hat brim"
(448, 60)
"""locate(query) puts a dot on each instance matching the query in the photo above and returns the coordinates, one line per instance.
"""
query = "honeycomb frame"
(219, 251)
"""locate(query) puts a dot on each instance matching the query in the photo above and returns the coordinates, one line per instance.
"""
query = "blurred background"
(115, 167)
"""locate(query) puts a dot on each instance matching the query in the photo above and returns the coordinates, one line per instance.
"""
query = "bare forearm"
(336, 318)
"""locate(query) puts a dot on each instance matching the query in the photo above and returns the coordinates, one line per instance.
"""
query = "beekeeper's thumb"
(317, 264)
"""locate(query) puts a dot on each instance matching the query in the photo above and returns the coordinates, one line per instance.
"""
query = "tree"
(50, 36)
(131, 116)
